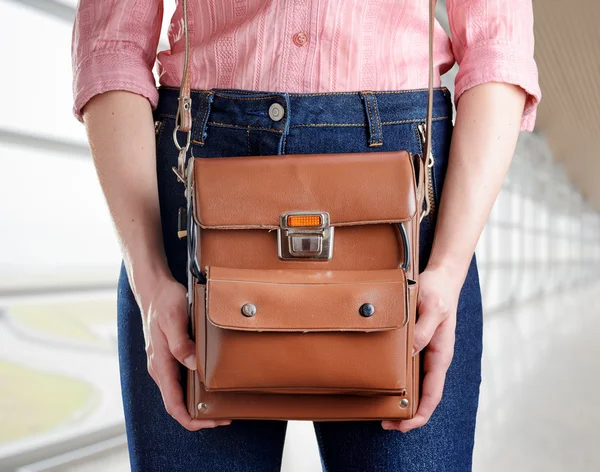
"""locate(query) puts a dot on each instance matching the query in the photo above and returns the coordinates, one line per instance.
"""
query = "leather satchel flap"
(306, 300)
(253, 191)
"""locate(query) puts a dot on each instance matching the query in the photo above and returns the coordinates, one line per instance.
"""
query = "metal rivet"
(276, 111)
(202, 407)
(248, 309)
(403, 403)
(366, 309)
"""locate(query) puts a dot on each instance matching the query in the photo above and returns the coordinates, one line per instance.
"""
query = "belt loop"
(373, 120)
(200, 133)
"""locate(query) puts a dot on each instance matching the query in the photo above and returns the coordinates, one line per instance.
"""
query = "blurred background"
(60, 403)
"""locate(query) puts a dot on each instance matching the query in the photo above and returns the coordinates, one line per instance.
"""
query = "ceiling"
(567, 52)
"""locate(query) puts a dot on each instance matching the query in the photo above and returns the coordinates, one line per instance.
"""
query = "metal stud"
(276, 111)
(248, 309)
(202, 407)
(366, 309)
(403, 403)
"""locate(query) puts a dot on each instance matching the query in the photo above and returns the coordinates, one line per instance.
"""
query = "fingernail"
(190, 362)
(385, 425)
(414, 352)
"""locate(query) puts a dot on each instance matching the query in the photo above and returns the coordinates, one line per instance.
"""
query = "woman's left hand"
(436, 305)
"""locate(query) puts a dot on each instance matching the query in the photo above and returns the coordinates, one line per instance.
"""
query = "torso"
(305, 45)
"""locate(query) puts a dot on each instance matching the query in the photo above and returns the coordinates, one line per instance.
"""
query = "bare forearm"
(483, 143)
(121, 135)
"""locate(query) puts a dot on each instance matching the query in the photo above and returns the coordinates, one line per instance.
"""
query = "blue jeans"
(237, 122)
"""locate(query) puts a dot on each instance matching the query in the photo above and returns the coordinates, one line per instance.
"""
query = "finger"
(174, 325)
(433, 386)
(387, 424)
(172, 395)
(166, 369)
(437, 362)
(431, 314)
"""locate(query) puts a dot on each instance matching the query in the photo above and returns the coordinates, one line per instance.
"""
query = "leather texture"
(307, 342)
(306, 323)
(305, 351)
(297, 403)
(342, 184)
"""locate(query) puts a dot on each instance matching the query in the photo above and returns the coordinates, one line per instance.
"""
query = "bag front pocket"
(304, 331)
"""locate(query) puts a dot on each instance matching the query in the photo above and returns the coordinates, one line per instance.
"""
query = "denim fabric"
(237, 123)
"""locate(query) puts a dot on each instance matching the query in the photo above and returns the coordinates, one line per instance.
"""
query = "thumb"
(432, 312)
(181, 346)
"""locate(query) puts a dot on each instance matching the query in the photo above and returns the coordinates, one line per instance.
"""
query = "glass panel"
(58, 358)
(60, 229)
(37, 95)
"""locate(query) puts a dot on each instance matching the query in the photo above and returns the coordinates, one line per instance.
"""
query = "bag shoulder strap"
(184, 109)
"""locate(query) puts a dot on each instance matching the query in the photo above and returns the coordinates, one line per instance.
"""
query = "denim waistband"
(250, 109)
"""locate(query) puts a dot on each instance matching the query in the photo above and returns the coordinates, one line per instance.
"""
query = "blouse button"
(300, 39)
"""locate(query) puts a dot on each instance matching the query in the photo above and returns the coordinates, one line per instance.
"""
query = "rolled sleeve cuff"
(501, 63)
(103, 71)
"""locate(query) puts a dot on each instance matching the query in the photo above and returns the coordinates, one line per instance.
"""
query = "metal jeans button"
(276, 112)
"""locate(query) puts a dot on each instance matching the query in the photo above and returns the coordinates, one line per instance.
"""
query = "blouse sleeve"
(492, 41)
(113, 47)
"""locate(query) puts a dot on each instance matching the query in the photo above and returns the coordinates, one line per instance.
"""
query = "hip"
(233, 122)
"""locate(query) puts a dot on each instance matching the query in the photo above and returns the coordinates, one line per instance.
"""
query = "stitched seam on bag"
(397, 390)
(206, 318)
(274, 227)
(309, 284)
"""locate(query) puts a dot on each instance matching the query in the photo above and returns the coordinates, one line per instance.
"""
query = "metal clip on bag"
(303, 304)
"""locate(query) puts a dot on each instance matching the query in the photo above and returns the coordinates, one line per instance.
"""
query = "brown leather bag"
(303, 304)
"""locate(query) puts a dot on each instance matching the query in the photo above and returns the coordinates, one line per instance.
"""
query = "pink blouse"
(302, 46)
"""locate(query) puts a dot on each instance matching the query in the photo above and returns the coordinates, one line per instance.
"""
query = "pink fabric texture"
(302, 46)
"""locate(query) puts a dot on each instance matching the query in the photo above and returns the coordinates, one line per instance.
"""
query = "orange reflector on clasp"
(304, 220)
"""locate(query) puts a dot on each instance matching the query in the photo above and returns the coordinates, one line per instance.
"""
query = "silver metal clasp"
(305, 234)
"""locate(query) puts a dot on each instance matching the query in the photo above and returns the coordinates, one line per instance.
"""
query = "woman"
(314, 57)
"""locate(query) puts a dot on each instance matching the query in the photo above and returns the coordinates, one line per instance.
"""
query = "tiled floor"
(539, 406)
(539, 410)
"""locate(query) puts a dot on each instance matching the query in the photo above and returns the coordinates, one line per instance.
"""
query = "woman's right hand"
(121, 133)
(164, 315)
